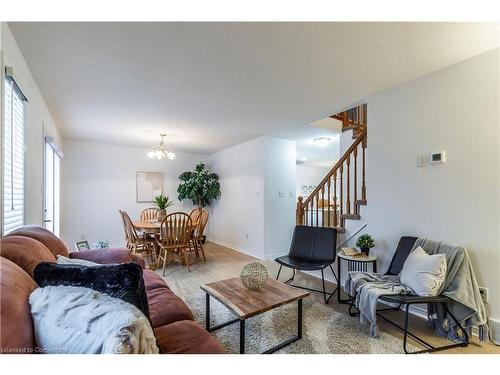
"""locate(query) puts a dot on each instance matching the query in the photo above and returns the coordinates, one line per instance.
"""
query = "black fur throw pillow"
(123, 281)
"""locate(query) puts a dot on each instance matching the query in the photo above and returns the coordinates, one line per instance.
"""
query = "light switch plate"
(421, 161)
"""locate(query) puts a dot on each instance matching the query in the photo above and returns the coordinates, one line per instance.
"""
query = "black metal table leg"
(242, 327)
(339, 291)
(207, 317)
(299, 319)
(292, 339)
(405, 334)
(324, 290)
(340, 278)
(242, 336)
(207, 312)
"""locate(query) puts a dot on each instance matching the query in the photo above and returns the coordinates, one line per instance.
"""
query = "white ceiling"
(212, 85)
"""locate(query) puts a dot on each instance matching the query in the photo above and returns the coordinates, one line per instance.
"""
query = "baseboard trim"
(235, 248)
(274, 256)
(328, 276)
(244, 251)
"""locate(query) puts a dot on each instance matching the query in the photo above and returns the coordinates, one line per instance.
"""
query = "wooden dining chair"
(197, 234)
(175, 230)
(138, 243)
(149, 214)
(124, 228)
(195, 214)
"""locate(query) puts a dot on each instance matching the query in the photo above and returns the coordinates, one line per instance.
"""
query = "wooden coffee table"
(245, 303)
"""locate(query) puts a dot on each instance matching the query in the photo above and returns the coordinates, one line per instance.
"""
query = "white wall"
(38, 118)
(308, 176)
(457, 110)
(237, 219)
(251, 216)
(99, 179)
(280, 197)
(345, 141)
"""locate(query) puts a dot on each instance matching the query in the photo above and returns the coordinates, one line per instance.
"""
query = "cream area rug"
(324, 330)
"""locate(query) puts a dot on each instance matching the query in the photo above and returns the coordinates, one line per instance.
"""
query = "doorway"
(51, 200)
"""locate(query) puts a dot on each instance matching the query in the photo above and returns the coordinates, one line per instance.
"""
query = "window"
(13, 157)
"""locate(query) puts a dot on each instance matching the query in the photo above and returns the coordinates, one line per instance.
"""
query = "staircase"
(339, 196)
(354, 118)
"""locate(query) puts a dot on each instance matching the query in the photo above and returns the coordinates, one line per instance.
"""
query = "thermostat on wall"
(438, 157)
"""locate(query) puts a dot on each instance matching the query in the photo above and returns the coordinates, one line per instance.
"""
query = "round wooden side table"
(354, 263)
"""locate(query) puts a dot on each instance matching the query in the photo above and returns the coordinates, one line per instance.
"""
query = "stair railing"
(343, 180)
(354, 118)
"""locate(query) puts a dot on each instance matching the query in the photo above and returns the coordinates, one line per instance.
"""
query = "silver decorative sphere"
(253, 275)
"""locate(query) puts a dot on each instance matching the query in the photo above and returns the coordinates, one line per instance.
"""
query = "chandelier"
(161, 151)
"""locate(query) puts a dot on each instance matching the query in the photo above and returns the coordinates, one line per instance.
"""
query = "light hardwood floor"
(223, 263)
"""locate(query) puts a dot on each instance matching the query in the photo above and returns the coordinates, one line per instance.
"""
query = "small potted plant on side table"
(365, 243)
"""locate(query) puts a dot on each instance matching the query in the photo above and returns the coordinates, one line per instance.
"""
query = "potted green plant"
(200, 186)
(162, 202)
(365, 243)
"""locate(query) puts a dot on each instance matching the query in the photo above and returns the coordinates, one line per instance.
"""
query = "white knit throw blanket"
(81, 320)
(367, 288)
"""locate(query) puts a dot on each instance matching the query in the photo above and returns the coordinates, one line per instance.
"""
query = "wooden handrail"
(353, 118)
(336, 167)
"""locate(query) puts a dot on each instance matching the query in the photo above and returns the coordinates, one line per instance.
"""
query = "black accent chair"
(312, 249)
(404, 248)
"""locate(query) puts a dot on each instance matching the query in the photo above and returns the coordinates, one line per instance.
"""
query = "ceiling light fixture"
(161, 151)
(321, 142)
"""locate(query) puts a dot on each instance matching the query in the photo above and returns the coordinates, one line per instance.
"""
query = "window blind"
(13, 158)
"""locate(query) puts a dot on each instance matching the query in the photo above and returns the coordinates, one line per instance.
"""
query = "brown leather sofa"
(21, 251)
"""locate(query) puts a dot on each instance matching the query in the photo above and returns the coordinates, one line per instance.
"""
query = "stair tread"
(351, 216)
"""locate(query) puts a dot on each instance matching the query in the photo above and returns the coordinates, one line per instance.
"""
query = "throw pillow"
(122, 281)
(79, 320)
(82, 262)
(424, 273)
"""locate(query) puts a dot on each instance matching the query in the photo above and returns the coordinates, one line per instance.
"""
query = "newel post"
(299, 213)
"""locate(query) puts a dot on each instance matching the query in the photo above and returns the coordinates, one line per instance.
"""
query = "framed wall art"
(148, 185)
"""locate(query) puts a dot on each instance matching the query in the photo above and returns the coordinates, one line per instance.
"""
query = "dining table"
(147, 226)
(152, 227)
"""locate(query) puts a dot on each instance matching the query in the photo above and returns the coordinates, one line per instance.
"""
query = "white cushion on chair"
(424, 273)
